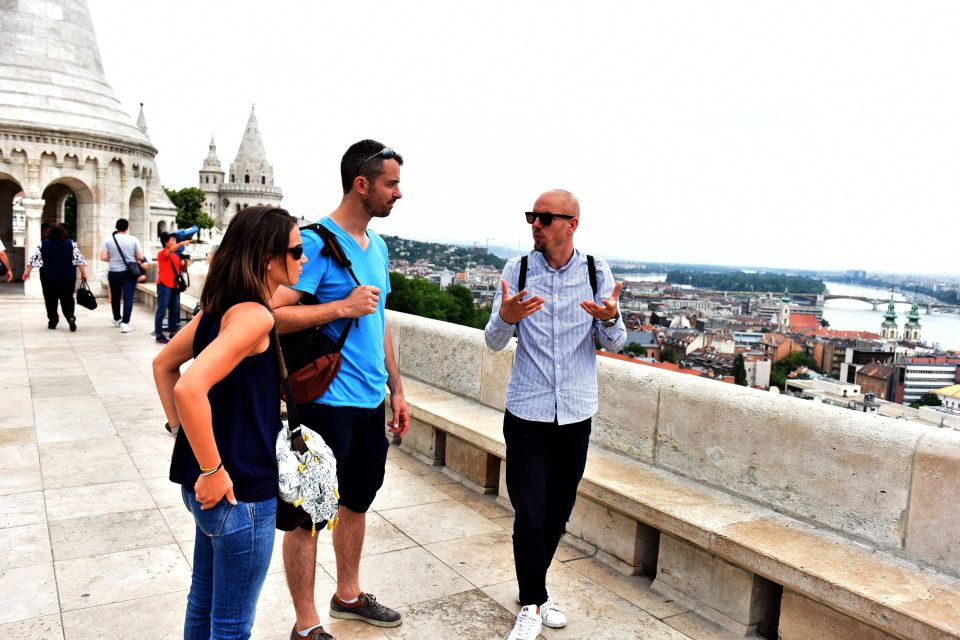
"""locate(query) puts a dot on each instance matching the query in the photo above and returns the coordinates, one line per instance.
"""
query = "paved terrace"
(96, 542)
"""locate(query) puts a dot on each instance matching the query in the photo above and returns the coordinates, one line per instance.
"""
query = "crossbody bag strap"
(120, 251)
(331, 247)
(293, 416)
(522, 280)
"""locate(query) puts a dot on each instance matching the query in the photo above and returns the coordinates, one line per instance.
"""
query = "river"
(854, 315)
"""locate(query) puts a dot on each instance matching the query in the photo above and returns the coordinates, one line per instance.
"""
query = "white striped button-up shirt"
(555, 368)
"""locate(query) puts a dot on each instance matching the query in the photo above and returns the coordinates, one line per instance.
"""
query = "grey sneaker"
(317, 633)
(366, 608)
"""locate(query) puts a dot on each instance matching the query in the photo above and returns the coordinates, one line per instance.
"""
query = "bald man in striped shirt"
(558, 301)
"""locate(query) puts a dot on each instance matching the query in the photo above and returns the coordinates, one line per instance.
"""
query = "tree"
(636, 350)
(739, 371)
(189, 204)
(667, 354)
(929, 399)
(423, 298)
(825, 323)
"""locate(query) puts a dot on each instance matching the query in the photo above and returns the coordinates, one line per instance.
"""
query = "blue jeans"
(233, 545)
(168, 300)
(121, 284)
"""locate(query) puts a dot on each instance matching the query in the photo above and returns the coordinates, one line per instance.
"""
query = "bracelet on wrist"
(210, 472)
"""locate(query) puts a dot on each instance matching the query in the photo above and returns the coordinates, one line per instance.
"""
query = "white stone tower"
(211, 181)
(911, 331)
(888, 330)
(250, 182)
(65, 138)
(783, 319)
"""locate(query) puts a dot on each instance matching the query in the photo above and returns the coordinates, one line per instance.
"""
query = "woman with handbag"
(58, 257)
(228, 405)
(169, 280)
(123, 253)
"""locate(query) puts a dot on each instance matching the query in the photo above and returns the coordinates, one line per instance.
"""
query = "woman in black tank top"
(228, 405)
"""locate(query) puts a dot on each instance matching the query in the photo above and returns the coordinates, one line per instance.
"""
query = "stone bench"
(146, 293)
(746, 566)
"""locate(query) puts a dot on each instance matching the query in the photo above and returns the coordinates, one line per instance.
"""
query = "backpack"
(591, 270)
(312, 358)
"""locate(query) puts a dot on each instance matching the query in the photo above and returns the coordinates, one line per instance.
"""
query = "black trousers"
(545, 462)
(57, 291)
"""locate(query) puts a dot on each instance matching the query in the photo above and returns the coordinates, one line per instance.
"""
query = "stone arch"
(10, 189)
(56, 207)
(138, 216)
(161, 227)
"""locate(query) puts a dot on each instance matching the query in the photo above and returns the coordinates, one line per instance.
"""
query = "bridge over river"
(875, 302)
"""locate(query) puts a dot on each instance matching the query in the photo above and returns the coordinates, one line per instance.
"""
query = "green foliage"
(739, 370)
(789, 364)
(444, 256)
(929, 399)
(636, 350)
(189, 204)
(824, 323)
(423, 298)
(667, 354)
(740, 281)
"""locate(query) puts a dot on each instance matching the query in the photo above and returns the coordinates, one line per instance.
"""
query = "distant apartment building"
(877, 379)
(925, 374)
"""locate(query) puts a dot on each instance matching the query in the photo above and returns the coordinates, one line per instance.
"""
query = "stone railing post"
(33, 209)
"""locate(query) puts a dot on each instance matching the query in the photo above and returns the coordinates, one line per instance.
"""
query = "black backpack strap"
(522, 280)
(331, 247)
(592, 270)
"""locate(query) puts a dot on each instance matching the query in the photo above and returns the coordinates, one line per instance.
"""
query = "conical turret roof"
(212, 162)
(142, 122)
(51, 76)
(251, 149)
(913, 318)
(891, 315)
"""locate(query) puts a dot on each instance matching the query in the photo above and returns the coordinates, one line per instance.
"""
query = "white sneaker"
(116, 323)
(125, 328)
(528, 626)
(550, 613)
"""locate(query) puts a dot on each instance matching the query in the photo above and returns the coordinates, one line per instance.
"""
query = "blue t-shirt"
(363, 374)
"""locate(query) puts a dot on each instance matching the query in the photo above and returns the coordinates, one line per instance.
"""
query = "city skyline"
(801, 137)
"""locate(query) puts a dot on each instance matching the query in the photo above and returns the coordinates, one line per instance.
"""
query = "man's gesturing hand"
(512, 309)
(608, 310)
(362, 301)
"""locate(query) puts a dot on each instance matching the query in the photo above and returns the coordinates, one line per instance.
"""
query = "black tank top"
(246, 420)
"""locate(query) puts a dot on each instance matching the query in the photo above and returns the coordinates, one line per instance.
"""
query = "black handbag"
(85, 297)
(312, 357)
(181, 282)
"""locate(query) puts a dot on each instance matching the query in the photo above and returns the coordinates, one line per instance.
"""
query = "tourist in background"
(349, 416)
(228, 405)
(58, 257)
(552, 392)
(8, 276)
(169, 266)
(119, 250)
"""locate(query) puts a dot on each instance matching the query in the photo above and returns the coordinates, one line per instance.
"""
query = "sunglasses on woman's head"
(296, 251)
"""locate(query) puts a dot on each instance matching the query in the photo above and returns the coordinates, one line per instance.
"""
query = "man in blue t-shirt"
(350, 415)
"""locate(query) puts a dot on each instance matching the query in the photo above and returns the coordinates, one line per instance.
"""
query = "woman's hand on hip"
(212, 489)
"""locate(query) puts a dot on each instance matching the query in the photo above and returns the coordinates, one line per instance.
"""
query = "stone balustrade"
(766, 512)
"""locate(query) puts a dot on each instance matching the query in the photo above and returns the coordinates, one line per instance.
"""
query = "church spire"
(251, 149)
(888, 330)
(142, 122)
(212, 162)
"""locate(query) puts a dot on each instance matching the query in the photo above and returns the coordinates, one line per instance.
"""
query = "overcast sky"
(803, 134)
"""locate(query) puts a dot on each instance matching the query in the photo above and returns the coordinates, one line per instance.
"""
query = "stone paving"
(96, 542)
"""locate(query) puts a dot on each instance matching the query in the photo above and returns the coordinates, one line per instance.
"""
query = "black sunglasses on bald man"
(546, 217)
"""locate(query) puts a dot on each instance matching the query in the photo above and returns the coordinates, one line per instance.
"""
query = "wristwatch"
(612, 321)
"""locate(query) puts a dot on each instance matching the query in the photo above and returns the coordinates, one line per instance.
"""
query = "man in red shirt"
(168, 295)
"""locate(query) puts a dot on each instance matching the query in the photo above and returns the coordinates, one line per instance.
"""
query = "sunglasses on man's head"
(546, 217)
(296, 251)
(386, 153)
